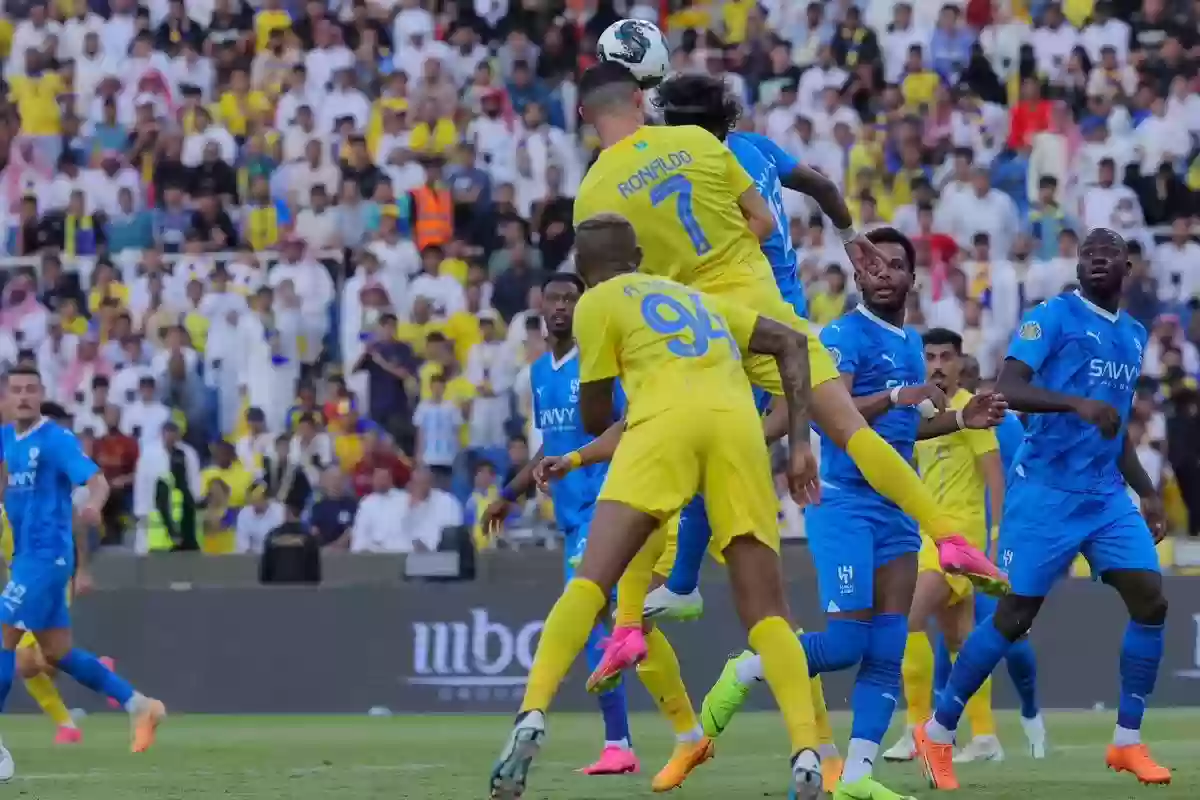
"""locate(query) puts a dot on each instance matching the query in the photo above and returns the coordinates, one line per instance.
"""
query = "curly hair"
(700, 100)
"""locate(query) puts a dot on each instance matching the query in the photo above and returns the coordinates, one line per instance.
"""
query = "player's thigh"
(36, 598)
(958, 587)
(1040, 535)
(763, 371)
(841, 541)
(655, 469)
(931, 594)
(1121, 540)
(897, 543)
(739, 492)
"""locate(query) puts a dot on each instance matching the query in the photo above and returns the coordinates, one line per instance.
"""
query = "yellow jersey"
(949, 467)
(673, 348)
(236, 477)
(679, 187)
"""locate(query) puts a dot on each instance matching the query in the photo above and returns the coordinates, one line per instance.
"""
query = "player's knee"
(954, 640)
(1150, 609)
(845, 643)
(882, 661)
(1015, 615)
(30, 663)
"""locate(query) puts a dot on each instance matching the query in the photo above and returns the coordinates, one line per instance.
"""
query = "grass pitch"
(431, 758)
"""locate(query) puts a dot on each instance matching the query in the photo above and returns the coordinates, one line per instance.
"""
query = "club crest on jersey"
(33, 457)
(574, 390)
(1030, 331)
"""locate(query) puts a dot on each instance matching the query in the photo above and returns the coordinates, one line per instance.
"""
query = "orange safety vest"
(434, 223)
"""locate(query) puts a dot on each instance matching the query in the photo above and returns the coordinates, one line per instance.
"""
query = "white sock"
(1124, 737)
(622, 744)
(135, 704)
(827, 751)
(749, 670)
(860, 760)
(694, 735)
(807, 760)
(939, 733)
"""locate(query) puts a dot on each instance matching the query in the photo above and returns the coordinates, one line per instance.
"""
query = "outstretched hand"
(550, 468)
(985, 410)
(864, 254)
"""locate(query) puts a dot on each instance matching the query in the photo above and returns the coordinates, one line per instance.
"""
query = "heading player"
(965, 470)
(699, 218)
(704, 101)
(691, 428)
(42, 463)
(863, 545)
(555, 382)
(1073, 364)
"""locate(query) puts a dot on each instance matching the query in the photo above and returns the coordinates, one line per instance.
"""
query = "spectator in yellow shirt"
(829, 301)
(239, 104)
(36, 95)
(421, 326)
(919, 83)
(227, 469)
(105, 285)
(432, 134)
(440, 360)
(736, 14)
(269, 19)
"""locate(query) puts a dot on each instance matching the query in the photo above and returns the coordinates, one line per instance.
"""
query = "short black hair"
(54, 412)
(601, 83)
(30, 372)
(700, 100)
(942, 337)
(565, 277)
(893, 236)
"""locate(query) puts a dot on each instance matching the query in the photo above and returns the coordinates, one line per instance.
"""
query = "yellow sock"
(660, 674)
(892, 476)
(979, 711)
(42, 689)
(564, 637)
(917, 671)
(635, 583)
(786, 671)
(820, 711)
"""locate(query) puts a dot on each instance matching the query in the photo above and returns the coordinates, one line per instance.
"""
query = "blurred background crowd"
(281, 260)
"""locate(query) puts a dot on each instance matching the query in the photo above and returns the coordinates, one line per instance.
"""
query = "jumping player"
(1073, 365)
(555, 379)
(42, 463)
(864, 546)
(691, 428)
(700, 217)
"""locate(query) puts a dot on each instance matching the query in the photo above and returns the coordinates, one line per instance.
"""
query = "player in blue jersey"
(1073, 365)
(555, 379)
(42, 464)
(864, 547)
(702, 100)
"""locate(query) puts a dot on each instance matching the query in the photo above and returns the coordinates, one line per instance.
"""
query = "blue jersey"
(880, 356)
(1075, 347)
(44, 466)
(556, 415)
(1010, 433)
(765, 162)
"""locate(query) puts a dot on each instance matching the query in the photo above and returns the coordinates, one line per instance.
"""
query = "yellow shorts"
(927, 561)
(762, 370)
(666, 561)
(664, 462)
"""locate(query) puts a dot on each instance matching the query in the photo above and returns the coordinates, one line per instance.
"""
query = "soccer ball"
(638, 45)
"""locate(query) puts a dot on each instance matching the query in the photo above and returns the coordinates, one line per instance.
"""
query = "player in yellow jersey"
(699, 218)
(691, 427)
(965, 471)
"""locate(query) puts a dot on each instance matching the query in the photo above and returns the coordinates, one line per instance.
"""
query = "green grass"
(428, 758)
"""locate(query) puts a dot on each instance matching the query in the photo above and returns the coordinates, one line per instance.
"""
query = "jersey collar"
(866, 312)
(19, 436)
(556, 364)
(1103, 312)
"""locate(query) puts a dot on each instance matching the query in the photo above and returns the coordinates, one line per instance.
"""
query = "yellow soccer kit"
(679, 187)
(948, 466)
(691, 425)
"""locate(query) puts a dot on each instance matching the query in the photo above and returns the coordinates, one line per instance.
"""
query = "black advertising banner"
(467, 647)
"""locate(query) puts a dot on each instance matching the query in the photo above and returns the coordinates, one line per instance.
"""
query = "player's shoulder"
(1133, 327)
(688, 135)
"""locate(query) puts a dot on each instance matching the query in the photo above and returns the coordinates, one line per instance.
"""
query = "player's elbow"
(595, 422)
(761, 227)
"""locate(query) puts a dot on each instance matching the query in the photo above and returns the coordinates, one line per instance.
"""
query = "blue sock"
(87, 669)
(841, 645)
(878, 682)
(8, 668)
(694, 534)
(612, 703)
(1022, 668)
(980, 654)
(1141, 652)
(942, 664)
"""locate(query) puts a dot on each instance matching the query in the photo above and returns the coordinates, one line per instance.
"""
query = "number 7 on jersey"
(679, 187)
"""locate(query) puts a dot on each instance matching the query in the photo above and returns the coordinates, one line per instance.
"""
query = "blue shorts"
(851, 534)
(36, 597)
(1045, 528)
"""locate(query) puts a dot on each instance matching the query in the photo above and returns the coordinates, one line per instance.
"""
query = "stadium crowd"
(283, 260)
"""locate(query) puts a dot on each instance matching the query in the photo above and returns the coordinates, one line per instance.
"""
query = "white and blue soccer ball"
(639, 46)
